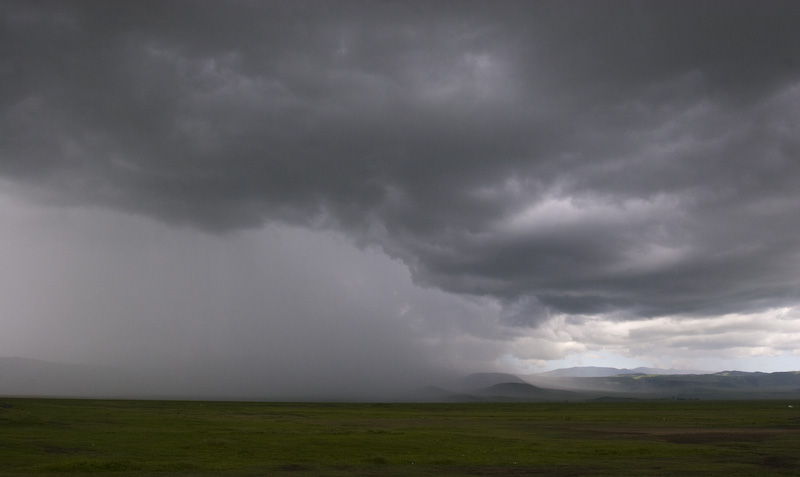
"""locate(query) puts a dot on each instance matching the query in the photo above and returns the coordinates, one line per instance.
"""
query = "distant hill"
(515, 390)
(483, 380)
(30, 377)
(725, 385)
(525, 392)
(599, 372)
(614, 384)
(501, 388)
(437, 394)
(728, 384)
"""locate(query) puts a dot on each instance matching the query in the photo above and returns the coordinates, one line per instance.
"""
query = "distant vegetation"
(49, 437)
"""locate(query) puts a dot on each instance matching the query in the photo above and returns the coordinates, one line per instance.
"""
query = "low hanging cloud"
(634, 159)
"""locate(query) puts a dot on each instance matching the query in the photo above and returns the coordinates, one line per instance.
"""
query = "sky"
(376, 193)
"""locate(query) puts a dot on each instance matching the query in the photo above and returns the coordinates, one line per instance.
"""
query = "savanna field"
(54, 437)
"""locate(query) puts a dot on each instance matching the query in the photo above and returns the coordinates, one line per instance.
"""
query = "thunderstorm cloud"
(555, 163)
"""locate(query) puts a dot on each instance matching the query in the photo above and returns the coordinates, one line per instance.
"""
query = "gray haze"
(370, 193)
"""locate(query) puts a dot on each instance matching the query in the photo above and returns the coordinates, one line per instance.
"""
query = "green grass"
(54, 437)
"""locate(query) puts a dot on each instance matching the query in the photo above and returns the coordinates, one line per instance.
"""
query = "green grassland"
(56, 437)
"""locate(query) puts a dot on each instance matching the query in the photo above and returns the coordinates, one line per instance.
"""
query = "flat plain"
(57, 437)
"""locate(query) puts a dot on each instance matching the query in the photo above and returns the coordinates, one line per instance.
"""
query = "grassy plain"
(53, 437)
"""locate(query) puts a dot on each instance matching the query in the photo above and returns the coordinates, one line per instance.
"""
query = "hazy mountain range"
(29, 377)
(592, 383)
(599, 372)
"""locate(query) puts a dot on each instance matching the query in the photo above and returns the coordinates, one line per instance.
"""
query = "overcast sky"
(331, 190)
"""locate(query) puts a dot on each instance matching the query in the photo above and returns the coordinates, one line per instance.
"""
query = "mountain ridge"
(599, 371)
(39, 378)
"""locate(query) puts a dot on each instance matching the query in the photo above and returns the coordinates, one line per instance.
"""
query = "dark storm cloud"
(559, 156)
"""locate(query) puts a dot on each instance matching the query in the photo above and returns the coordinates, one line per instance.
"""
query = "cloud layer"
(627, 160)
